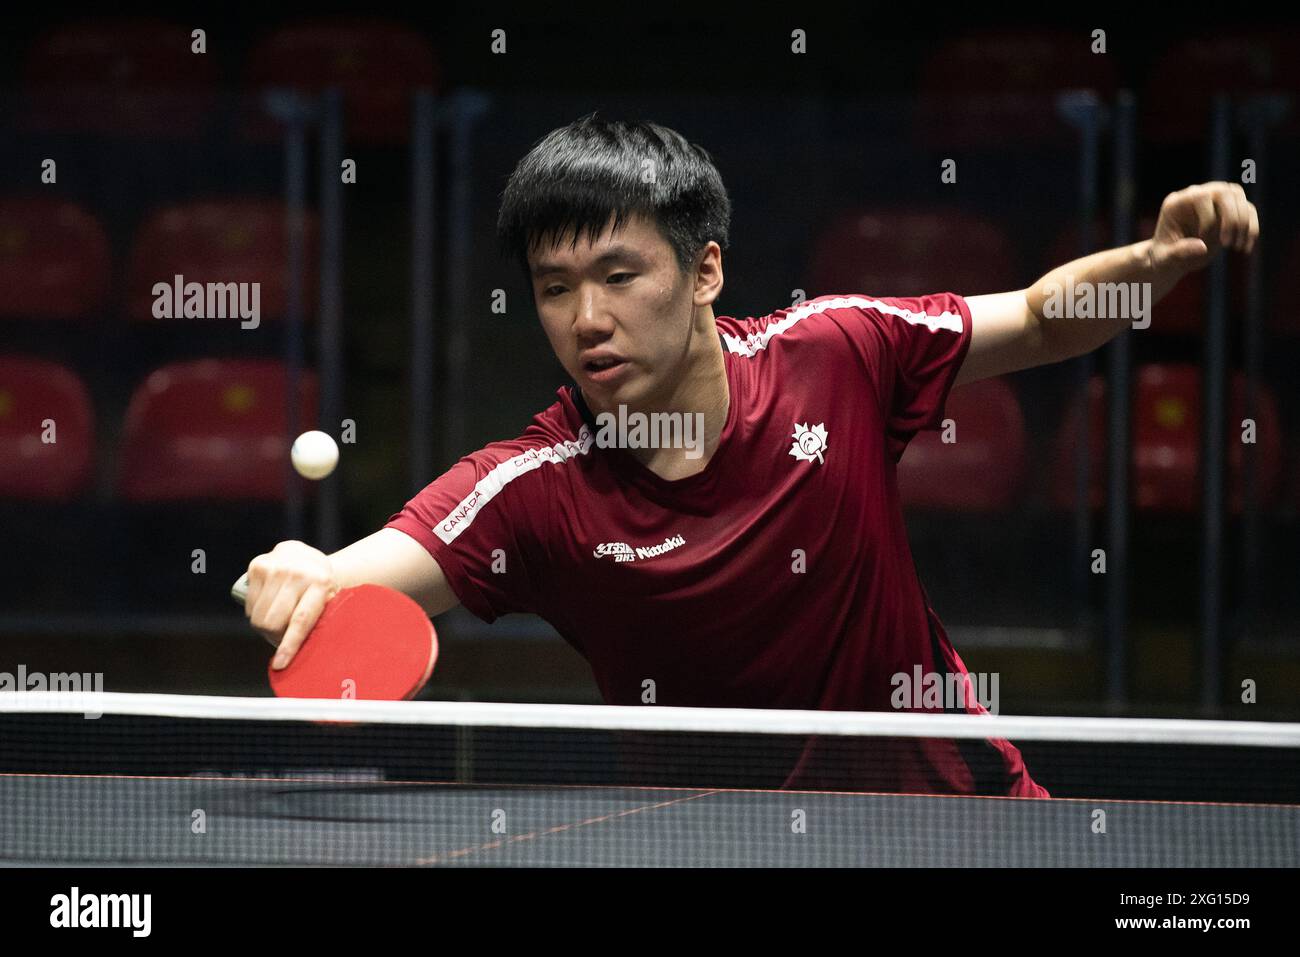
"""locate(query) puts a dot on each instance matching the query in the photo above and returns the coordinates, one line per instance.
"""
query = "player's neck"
(702, 394)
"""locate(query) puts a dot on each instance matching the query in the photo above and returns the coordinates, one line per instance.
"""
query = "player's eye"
(551, 292)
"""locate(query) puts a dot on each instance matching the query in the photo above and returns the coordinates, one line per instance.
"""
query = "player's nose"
(591, 319)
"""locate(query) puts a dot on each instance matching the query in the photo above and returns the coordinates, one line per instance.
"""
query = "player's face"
(618, 313)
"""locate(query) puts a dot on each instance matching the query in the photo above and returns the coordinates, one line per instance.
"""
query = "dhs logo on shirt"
(621, 551)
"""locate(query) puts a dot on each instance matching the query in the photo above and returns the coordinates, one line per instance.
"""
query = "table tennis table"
(207, 821)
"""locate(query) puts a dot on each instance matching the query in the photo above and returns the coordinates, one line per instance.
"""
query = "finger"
(256, 579)
(1254, 229)
(302, 620)
(1234, 219)
(280, 605)
(1242, 221)
(1235, 203)
(260, 596)
(1209, 223)
(1224, 205)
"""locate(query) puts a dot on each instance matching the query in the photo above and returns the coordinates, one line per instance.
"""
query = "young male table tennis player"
(771, 569)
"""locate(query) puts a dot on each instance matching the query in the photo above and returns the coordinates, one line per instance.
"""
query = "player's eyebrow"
(619, 253)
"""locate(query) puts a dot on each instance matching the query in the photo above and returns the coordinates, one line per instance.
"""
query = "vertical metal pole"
(295, 156)
(1119, 418)
(423, 122)
(328, 532)
(1260, 113)
(1214, 423)
(468, 106)
(458, 241)
(1084, 112)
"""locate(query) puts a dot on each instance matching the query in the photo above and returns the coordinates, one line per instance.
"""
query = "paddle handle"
(239, 590)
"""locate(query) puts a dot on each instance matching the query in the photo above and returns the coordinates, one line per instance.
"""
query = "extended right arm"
(289, 585)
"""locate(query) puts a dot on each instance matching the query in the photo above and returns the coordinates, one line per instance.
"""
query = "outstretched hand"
(1196, 222)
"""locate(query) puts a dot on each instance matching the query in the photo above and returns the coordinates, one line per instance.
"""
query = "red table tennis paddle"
(370, 642)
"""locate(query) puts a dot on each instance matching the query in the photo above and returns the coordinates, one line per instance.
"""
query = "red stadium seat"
(35, 397)
(1182, 311)
(912, 253)
(120, 77)
(211, 429)
(997, 88)
(54, 260)
(376, 63)
(1180, 91)
(1166, 442)
(220, 241)
(984, 469)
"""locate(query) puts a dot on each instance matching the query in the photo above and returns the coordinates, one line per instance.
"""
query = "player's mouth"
(605, 369)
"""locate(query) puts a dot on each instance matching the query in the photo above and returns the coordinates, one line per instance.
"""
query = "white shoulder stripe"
(757, 341)
(449, 527)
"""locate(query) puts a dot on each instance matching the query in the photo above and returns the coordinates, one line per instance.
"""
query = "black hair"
(578, 176)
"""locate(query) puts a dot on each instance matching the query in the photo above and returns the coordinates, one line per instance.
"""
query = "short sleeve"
(483, 522)
(913, 348)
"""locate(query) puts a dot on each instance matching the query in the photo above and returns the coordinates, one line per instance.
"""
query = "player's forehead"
(636, 241)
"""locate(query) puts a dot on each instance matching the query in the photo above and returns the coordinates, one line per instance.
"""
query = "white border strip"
(1265, 734)
(450, 526)
(755, 342)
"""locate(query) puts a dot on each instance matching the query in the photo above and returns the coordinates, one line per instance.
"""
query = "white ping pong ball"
(314, 455)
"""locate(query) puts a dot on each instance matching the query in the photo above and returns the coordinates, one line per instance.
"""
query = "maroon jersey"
(778, 577)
